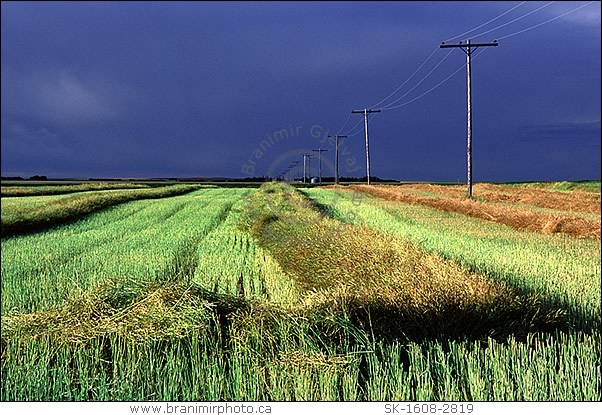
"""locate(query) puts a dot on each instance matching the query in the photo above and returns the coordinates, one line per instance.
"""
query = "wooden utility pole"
(319, 150)
(306, 157)
(366, 112)
(469, 48)
(336, 157)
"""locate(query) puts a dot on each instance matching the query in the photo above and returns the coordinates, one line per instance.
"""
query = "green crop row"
(48, 211)
(231, 263)
(29, 190)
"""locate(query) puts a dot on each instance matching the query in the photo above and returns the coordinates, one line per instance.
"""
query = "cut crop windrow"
(401, 288)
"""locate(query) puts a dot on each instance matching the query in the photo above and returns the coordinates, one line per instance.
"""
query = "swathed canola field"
(279, 294)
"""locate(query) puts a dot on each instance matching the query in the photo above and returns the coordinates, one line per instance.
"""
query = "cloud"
(65, 97)
(25, 136)
(586, 16)
(61, 96)
(563, 131)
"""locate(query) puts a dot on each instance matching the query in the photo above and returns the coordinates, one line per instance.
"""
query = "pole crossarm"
(364, 111)
(463, 45)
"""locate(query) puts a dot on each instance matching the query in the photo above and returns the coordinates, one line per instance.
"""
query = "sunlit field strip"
(293, 366)
(586, 186)
(230, 262)
(29, 204)
(136, 240)
(32, 190)
(565, 270)
(60, 210)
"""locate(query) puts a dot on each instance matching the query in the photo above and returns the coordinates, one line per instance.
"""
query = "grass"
(235, 294)
(41, 213)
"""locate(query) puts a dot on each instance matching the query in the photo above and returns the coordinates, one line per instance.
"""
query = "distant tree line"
(36, 177)
(207, 179)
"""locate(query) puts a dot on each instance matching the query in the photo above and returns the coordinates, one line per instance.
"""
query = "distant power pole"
(366, 112)
(306, 157)
(469, 48)
(319, 150)
(336, 157)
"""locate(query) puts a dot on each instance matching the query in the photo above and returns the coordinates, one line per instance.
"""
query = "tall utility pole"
(306, 157)
(469, 48)
(336, 157)
(366, 112)
(319, 150)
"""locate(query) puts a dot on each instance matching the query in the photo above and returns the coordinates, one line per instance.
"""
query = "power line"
(415, 86)
(389, 107)
(514, 20)
(486, 23)
(432, 53)
(547, 21)
(407, 80)
(291, 170)
(346, 121)
(360, 122)
(433, 88)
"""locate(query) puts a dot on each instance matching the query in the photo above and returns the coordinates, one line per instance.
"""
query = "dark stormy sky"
(168, 89)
